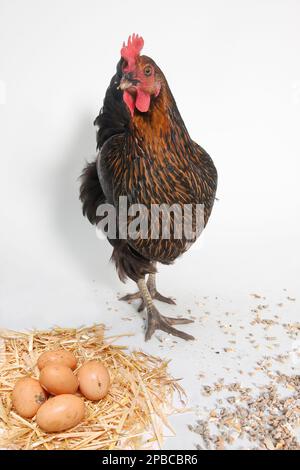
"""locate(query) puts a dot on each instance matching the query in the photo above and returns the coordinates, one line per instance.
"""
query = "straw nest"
(132, 416)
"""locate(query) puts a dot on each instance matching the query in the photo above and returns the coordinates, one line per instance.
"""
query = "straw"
(132, 416)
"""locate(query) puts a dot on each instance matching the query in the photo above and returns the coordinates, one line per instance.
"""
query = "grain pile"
(133, 414)
(267, 421)
(255, 404)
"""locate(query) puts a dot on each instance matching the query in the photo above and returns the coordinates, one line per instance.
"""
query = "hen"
(147, 155)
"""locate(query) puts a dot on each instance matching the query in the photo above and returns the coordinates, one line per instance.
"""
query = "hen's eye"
(147, 71)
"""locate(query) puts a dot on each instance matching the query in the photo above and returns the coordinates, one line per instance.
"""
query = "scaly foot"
(156, 321)
(137, 295)
(154, 294)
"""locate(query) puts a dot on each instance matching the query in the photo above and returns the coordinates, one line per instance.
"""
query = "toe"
(162, 298)
(173, 331)
(142, 306)
(151, 327)
(178, 321)
(129, 297)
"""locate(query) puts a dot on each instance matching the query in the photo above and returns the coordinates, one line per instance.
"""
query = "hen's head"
(141, 81)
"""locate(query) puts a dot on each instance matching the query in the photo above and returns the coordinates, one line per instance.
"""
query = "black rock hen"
(146, 155)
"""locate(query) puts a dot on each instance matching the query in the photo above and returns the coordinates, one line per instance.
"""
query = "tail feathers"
(130, 263)
(91, 194)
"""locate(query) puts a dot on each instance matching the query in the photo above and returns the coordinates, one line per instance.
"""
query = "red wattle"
(129, 100)
(142, 101)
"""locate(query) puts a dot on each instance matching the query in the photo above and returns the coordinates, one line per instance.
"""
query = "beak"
(124, 84)
(128, 81)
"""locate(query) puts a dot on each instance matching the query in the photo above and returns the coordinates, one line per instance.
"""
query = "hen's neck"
(162, 121)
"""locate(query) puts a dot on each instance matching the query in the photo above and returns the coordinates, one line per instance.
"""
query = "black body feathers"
(149, 158)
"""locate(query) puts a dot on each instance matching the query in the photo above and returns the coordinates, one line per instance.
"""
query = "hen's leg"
(156, 321)
(151, 284)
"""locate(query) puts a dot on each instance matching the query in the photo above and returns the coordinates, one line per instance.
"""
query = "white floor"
(217, 293)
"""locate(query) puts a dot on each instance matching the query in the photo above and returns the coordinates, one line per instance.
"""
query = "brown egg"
(93, 380)
(58, 356)
(58, 379)
(60, 413)
(28, 396)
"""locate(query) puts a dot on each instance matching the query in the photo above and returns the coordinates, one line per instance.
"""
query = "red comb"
(130, 52)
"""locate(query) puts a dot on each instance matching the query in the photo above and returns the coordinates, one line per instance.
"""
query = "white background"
(234, 70)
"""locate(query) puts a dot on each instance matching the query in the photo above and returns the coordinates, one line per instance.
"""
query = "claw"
(155, 321)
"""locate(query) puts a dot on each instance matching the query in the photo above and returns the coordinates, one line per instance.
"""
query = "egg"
(59, 356)
(93, 380)
(60, 413)
(27, 397)
(58, 379)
